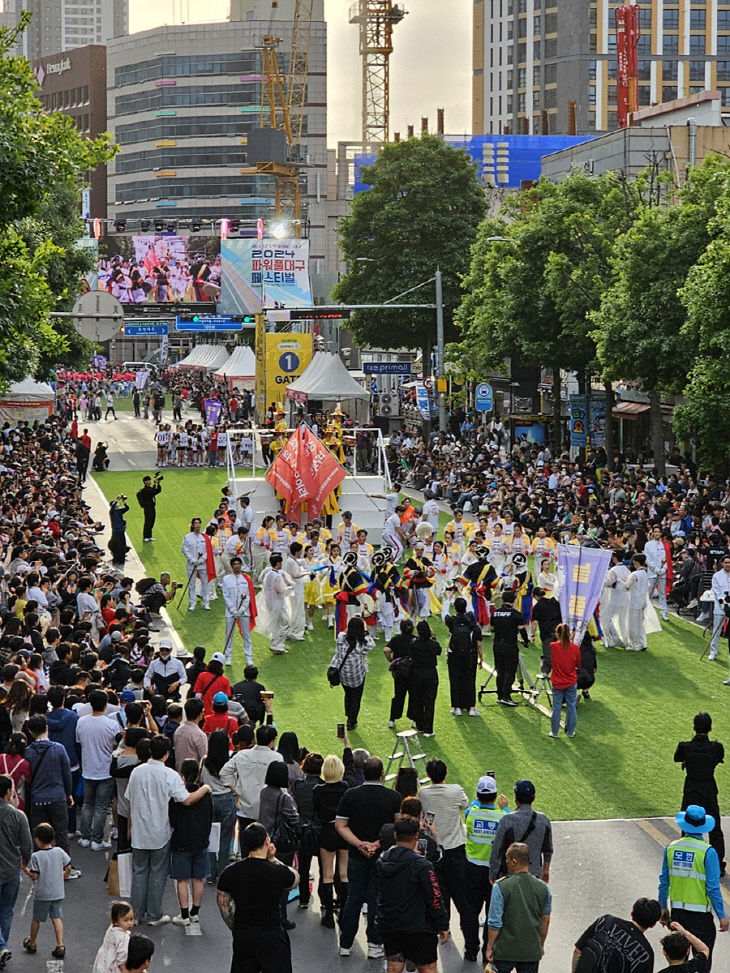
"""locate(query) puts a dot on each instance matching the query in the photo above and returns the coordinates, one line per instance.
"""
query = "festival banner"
(140, 379)
(213, 408)
(580, 421)
(304, 472)
(424, 406)
(264, 273)
(581, 573)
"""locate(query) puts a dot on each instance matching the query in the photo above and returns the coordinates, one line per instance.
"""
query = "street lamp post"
(441, 399)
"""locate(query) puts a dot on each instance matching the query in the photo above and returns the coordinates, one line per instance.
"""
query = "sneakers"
(391, 724)
(726, 682)
(84, 842)
(72, 874)
(474, 711)
(343, 950)
(180, 920)
(163, 920)
(507, 702)
(375, 951)
(287, 925)
(553, 735)
(455, 711)
(99, 845)
(428, 734)
(5, 955)
(195, 920)
(310, 627)
(571, 735)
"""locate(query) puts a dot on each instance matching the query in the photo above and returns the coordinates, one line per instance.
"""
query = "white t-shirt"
(431, 513)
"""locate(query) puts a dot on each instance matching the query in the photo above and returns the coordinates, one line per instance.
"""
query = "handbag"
(284, 834)
(333, 673)
(309, 838)
(112, 878)
(401, 667)
(124, 870)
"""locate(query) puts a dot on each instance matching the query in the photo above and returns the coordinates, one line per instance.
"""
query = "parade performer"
(385, 581)
(418, 578)
(480, 577)
(198, 561)
(352, 587)
(277, 589)
(240, 601)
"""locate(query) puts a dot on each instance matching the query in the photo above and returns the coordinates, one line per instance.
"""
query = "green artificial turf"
(619, 764)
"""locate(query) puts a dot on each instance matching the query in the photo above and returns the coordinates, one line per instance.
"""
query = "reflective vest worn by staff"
(481, 827)
(687, 880)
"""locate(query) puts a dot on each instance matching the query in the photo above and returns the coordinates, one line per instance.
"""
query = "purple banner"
(212, 411)
(99, 361)
(581, 573)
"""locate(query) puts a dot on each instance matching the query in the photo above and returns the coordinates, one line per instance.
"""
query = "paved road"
(599, 866)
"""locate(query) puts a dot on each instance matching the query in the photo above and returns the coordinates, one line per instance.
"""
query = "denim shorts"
(189, 864)
(47, 909)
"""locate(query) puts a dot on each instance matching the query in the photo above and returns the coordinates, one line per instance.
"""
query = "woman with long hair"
(18, 704)
(14, 765)
(277, 804)
(565, 657)
(290, 753)
(399, 647)
(224, 803)
(350, 658)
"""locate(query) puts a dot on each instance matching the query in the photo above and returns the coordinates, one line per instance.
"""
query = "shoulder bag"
(284, 834)
(333, 673)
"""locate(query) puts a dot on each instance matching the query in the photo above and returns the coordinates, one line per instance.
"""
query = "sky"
(430, 66)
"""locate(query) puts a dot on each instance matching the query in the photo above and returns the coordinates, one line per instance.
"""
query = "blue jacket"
(62, 729)
(53, 780)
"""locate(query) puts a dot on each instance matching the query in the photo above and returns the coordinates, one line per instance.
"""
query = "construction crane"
(376, 20)
(628, 32)
(283, 100)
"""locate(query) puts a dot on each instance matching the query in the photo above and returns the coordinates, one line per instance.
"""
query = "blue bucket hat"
(695, 821)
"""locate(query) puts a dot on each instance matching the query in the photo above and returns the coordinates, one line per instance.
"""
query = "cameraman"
(147, 499)
(157, 594)
(118, 541)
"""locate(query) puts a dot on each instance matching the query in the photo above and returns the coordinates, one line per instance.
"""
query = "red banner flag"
(305, 471)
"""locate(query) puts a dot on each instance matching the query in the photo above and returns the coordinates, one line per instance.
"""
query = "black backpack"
(461, 642)
(144, 585)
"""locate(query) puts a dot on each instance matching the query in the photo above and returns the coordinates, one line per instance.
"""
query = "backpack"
(140, 495)
(144, 585)
(461, 642)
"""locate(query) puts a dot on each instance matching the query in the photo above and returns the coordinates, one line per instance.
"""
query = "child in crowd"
(112, 955)
(48, 868)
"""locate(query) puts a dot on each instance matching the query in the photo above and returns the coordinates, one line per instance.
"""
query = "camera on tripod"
(726, 605)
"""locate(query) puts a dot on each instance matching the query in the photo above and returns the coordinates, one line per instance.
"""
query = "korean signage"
(264, 273)
(580, 421)
(581, 573)
(285, 357)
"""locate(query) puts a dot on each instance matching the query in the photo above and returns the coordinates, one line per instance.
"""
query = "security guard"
(482, 818)
(699, 757)
(506, 623)
(690, 878)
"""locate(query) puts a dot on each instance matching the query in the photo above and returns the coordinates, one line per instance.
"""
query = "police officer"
(482, 818)
(699, 757)
(506, 623)
(690, 878)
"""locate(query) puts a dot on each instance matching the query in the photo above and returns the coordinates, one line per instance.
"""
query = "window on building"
(723, 19)
(723, 44)
(521, 77)
(537, 25)
(697, 19)
(725, 93)
(611, 95)
(592, 43)
(592, 70)
(550, 47)
(612, 42)
(521, 102)
(671, 44)
(645, 18)
(550, 99)
(644, 68)
(644, 95)
(696, 70)
(723, 70)
(521, 6)
(551, 73)
(536, 76)
(669, 92)
(671, 20)
(644, 45)
(551, 23)
(593, 17)
(522, 27)
(669, 70)
(536, 99)
(697, 43)
(592, 96)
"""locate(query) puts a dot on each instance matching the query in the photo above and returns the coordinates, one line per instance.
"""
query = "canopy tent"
(240, 369)
(26, 400)
(205, 358)
(327, 380)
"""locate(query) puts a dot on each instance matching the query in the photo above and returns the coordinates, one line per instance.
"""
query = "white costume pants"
(244, 626)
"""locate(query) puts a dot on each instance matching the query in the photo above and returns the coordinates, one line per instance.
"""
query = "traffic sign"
(146, 330)
(214, 322)
(317, 314)
(483, 397)
(387, 368)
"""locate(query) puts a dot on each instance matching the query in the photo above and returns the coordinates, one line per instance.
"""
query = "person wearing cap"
(165, 673)
(147, 499)
(482, 818)
(699, 757)
(220, 719)
(240, 601)
(527, 826)
(689, 882)
(480, 577)
(519, 916)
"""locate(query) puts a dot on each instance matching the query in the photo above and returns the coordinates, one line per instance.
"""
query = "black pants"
(261, 949)
(709, 803)
(451, 875)
(462, 681)
(149, 521)
(118, 546)
(55, 814)
(700, 924)
(353, 696)
(400, 691)
(305, 865)
(423, 690)
(505, 662)
(478, 893)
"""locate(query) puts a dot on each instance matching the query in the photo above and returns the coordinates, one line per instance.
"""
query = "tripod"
(535, 687)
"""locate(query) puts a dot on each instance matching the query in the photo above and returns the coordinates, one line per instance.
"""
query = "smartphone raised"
(490, 773)
(340, 731)
(428, 817)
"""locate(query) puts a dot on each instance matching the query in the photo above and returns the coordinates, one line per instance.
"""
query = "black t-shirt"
(505, 622)
(546, 612)
(424, 653)
(626, 938)
(697, 964)
(367, 808)
(700, 756)
(400, 646)
(255, 885)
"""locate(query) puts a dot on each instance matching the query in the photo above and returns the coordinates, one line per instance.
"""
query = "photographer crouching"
(155, 594)
(147, 499)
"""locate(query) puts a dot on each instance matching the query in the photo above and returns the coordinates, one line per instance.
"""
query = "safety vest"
(481, 827)
(687, 880)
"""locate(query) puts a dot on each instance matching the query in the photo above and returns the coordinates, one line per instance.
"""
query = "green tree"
(43, 161)
(528, 297)
(421, 212)
(640, 324)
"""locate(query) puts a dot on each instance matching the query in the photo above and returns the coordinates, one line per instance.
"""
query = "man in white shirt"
(430, 512)
(97, 736)
(656, 568)
(393, 535)
(245, 774)
(195, 551)
(299, 576)
(392, 500)
(720, 591)
(151, 788)
(236, 589)
(277, 588)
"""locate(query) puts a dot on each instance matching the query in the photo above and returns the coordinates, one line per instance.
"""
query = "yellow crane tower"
(376, 20)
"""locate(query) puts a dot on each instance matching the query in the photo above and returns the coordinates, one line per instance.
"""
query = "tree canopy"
(421, 212)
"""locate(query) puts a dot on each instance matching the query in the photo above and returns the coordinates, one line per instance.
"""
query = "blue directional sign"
(387, 367)
(149, 329)
(483, 397)
(212, 322)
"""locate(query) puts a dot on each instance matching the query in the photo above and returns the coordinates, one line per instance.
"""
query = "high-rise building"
(62, 25)
(182, 102)
(539, 62)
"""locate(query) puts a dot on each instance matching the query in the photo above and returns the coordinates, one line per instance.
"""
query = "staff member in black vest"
(699, 757)
(147, 499)
(507, 622)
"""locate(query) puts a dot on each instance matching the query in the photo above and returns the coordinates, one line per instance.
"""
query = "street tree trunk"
(657, 432)
(610, 445)
(557, 410)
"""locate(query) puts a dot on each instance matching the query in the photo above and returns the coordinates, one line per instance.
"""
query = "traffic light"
(249, 319)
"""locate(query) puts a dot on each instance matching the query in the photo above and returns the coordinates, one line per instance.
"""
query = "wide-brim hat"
(350, 558)
(387, 552)
(482, 552)
(695, 820)
(378, 558)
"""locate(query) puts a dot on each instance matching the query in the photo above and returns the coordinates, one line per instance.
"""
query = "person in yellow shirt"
(347, 531)
(460, 528)
(544, 546)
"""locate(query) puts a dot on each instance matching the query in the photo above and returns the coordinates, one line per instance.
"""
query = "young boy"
(49, 866)
(676, 947)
